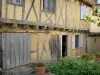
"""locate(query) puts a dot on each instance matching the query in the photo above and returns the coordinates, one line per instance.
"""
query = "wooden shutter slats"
(46, 5)
(55, 46)
(49, 5)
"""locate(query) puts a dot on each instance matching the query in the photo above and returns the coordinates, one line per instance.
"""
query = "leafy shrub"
(74, 66)
(97, 54)
(39, 64)
(86, 57)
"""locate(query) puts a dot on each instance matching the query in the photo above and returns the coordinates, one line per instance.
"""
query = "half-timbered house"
(33, 30)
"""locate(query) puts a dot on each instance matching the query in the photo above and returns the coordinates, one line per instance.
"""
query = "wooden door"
(0, 51)
(55, 48)
(16, 49)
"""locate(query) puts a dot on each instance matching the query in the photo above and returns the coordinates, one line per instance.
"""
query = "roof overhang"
(89, 2)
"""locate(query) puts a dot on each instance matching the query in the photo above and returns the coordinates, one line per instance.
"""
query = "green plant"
(39, 64)
(74, 66)
(86, 57)
(97, 54)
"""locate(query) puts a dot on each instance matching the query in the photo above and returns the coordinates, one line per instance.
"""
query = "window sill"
(48, 12)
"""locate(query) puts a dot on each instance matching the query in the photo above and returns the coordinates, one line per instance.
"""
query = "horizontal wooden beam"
(20, 22)
(38, 24)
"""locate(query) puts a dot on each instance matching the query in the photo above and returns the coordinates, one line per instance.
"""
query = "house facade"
(34, 30)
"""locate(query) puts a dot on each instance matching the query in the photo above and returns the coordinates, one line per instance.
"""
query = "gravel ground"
(25, 70)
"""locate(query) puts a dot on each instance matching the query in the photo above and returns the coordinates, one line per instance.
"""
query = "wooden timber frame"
(38, 23)
(92, 34)
(0, 8)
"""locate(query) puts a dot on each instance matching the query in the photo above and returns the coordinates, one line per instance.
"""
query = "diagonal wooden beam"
(30, 9)
(35, 12)
(60, 10)
(32, 6)
(47, 18)
(44, 47)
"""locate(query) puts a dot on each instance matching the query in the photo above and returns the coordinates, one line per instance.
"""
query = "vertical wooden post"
(6, 9)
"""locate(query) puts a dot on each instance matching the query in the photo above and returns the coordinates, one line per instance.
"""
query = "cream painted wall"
(42, 36)
(94, 27)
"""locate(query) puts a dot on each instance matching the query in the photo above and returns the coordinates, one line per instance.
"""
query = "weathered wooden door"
(0, 51)
(16, 49)
(55, 47)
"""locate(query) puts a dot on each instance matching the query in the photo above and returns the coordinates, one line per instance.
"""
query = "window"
(98, 1)
(77, 41)
(15, 1)
(49, 5)
(18, 1)
(84, 12)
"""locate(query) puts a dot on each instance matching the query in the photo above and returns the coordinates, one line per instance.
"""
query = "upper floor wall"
(75, 15)
(61, 13)
(95, 27)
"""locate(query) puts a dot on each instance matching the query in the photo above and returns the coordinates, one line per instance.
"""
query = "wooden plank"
(58, 47)
(21, 49)
(28, 48)
(17, 53)
(4, 51)
(0, 8)
(6, 12)
(8, 51)
(12, 48)
(35, 13)
(68, 45)
(14, 13)
(0, 50)
(10, 21)
(38, 37)
(30, 9)
(25, 49)
(23, 9)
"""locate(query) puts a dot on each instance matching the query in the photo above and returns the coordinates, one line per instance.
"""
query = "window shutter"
(18, 1)
(54, 45)
(10, 1)
(46, 5)
(54, 9)
(51, 5)
(73, 41)
(81, 40)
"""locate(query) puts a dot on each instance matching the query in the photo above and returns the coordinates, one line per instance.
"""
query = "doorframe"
(68, 45)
